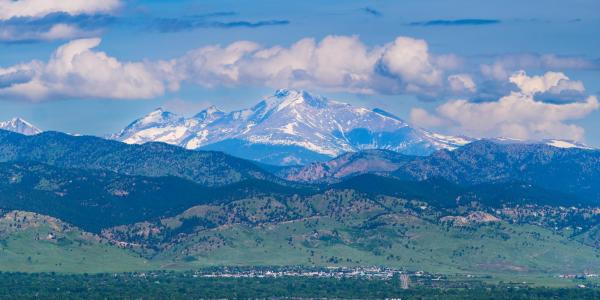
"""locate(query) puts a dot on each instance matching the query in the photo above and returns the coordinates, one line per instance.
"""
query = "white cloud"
(76, 70)
(39, 8)
(336, 63)
(555, 82)
(409, 59)
(213, 65)
(503, 67)
(58, 31)
(341, 63)
(462, 82)
(517, 115)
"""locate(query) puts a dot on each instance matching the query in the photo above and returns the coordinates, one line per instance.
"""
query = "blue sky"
(455, 68)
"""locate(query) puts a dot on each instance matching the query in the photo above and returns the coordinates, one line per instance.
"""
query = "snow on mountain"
(19, 125)
(289, 127)
(158, 125)
(550, 142)
(566, 144)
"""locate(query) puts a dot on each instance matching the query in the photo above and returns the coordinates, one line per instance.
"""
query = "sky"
(519, 69)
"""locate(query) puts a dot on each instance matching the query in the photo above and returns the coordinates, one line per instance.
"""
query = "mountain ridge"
(208, 168)
(570, 170)
(295, 127)
(292, 119)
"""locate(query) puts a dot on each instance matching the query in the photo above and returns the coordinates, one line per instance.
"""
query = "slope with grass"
(31, 242)
(346, 228)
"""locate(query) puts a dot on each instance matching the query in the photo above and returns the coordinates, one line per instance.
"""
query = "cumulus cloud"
(334, 63)
(549, 82)
(409, 59)
(517, 115)
(337, 63)
(76, 70)
(341, 63)
(462, 82)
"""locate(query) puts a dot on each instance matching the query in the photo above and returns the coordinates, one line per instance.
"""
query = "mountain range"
(571, 172)
(526, 208)
(288, 128)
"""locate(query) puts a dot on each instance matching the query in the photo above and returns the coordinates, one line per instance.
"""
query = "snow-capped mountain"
(20, 126)
(289, 127)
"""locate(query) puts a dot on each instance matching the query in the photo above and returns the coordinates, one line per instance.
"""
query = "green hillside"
(344, 228)
(31, 242)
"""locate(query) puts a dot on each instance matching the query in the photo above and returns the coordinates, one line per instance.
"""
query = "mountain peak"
(290, 97)
(159, 115)
(212, 109)
(19, 120)
(209, 114)
(289, 126)
(19, 125)
(283, 93)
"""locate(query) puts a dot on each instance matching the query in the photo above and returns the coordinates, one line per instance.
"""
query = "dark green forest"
(186, 286)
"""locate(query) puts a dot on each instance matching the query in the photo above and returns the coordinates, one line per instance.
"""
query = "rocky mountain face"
(347, 165)
(288, 128)
(19, 125)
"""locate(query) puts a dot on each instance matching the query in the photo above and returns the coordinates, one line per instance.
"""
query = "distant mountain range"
(527, 208)
(289, 128)
(574, 172)
(295, 127)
